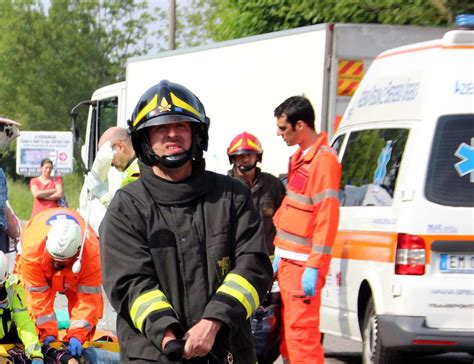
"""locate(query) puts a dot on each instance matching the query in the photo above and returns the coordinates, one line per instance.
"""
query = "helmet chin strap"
(175, 160)
(244, 169)
(77, 266)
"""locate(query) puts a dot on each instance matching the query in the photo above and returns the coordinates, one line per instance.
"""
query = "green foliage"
(191, 19)
(72, 184)
(231, 19)
(20, 198)
(50, 62)
(7, 161)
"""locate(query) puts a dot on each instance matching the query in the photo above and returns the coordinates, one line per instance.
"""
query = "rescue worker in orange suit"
(306, 225)
(52, 261)
(244, 152)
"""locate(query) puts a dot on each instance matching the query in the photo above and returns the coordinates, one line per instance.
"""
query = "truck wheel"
(373, 350)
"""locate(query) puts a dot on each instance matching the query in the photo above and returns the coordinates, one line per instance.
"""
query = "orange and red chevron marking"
(349, 74)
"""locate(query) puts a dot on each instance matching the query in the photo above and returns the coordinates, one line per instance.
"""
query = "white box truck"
(240, 82)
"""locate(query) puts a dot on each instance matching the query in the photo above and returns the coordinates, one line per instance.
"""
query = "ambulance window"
(370, 166)
(450, 178)
(337, 144)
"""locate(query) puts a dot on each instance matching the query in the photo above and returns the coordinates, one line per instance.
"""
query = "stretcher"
(103, 349)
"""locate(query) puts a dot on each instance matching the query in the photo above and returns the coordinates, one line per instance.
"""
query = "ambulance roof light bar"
(465, 21)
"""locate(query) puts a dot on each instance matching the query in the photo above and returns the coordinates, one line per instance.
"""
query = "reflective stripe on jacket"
(180, 252)
(25, 326)
(42, 282)
(131, 174)
(307, 220)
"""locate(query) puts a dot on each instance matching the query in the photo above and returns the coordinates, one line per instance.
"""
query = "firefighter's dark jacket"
(267, 193)
(176, 252)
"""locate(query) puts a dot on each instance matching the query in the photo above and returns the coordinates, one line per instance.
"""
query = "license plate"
(456, 263)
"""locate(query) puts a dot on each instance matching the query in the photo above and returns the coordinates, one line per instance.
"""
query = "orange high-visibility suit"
(306, 225)
(42, 282)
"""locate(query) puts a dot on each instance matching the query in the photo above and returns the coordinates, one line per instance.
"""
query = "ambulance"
(402, 273)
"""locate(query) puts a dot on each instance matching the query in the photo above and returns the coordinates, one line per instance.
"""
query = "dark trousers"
(5, 245)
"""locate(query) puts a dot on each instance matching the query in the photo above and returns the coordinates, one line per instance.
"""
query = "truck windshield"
(107, 114)
(104, 116)
(450, 178)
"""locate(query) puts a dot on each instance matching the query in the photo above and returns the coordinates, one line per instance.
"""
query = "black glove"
(174, 349)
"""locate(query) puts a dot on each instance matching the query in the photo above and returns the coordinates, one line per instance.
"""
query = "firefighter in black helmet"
(186, 263)
(167, 103)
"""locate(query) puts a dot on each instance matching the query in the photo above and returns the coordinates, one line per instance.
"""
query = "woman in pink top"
(46, 190)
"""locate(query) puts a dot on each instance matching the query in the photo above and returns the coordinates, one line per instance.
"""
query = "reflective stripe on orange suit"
(83, 291)
(306, 224)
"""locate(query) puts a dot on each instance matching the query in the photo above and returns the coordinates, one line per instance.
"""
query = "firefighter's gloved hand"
(174, 349)
(95, 186)
(75, 347)
(309, 280)
(102, 161)
(276, 264)
(49, 339)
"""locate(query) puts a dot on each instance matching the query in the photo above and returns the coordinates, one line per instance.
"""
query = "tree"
(49, 62)
(190, 30)
(229, 19)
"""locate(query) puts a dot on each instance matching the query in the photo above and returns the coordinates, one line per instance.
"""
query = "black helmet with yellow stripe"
(167, 103)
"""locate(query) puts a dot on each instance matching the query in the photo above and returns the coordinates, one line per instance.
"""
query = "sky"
(152, 4)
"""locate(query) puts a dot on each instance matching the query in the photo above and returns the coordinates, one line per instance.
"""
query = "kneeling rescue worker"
(52, 261)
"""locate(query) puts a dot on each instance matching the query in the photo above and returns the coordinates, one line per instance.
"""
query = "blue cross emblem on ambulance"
(382, 162)
(465, 152)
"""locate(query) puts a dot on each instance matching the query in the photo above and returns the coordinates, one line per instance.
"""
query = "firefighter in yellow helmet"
(244, 152)
(184, 261)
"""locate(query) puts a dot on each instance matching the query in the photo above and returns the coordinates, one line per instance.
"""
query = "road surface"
(343, 351)
(337, 350)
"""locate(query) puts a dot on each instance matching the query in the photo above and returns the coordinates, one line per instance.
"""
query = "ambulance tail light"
(410, 256)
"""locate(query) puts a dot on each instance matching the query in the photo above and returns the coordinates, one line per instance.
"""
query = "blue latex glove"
(49, 339)
(75, 347)
(308, 282)
(37, 361)
(276, 264)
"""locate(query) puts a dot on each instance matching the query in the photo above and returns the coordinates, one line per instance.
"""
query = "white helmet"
(3, 267)
(64, 239)
(8, 131)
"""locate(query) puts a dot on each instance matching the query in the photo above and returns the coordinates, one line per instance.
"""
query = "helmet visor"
(245, 151)
(168, 119)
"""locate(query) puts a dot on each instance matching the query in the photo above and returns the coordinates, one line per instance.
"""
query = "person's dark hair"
(46, 160)
(296, 108)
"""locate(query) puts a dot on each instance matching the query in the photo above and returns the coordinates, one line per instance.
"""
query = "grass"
(21, 199)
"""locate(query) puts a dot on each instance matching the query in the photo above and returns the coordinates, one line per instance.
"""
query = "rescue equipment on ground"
(265, 325)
